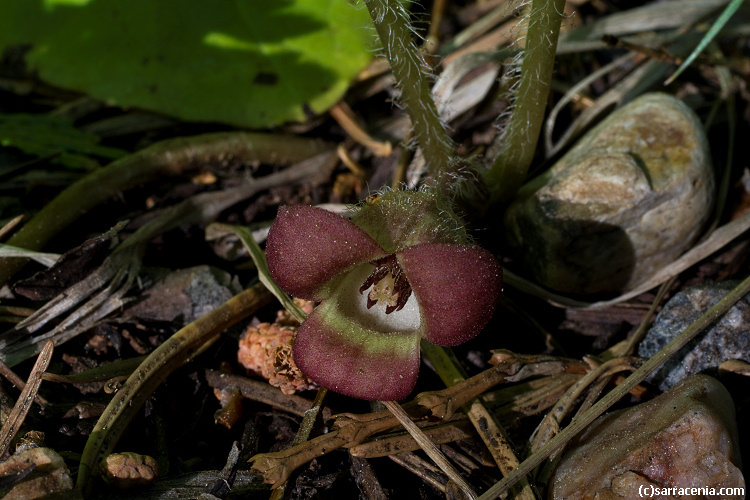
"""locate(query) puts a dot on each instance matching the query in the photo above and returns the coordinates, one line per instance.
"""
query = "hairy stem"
(512, 163)
(392, 24)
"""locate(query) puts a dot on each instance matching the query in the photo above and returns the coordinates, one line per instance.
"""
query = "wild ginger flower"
(400, 270)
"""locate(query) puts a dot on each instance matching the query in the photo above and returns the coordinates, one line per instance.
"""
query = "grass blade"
(710, 34)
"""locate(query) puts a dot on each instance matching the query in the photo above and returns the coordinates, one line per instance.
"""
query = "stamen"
(389, 285)
(378, 274)
(402, 299)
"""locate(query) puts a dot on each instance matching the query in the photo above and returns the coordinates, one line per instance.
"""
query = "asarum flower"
(400, 270)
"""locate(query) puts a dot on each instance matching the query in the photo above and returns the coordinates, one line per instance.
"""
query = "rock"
(34, 473)
(184, 295)
(684, 438)
(729, 338)
(628, 199)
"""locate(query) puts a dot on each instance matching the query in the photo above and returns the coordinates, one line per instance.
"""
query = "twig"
(23, 404)
(429, 447)
(509, 367)
(351, 429)
(349, 162)
(579, 423)
(395, 444)
(276, 467)
(14, 379)
(492, 433)
(303, 433)
(525, 399)
(344, 116)
(550, 425)
(10, 226)
(260, 391)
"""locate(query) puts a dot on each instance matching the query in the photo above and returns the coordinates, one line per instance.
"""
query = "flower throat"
(389, 285)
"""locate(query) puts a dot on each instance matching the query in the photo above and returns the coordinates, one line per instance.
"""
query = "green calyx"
(400, 219)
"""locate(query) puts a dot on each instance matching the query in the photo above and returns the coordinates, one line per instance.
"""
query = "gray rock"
(184, 295)
(628, 199)
(729, 338)
(685, 438)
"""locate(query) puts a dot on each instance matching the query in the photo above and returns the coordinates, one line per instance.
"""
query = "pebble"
(35, 473)
(630, 197)
(684, 438)
(184, 295)
(729, 338)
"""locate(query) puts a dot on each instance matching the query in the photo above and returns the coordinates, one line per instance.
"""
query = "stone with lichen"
(628, 199)
(685, 438)
(266, 350)
(726, 339)
(184, 295)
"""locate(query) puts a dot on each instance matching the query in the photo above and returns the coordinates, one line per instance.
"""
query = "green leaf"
(251, 63)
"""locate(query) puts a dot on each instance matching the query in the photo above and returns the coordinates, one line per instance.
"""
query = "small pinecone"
(266, 350)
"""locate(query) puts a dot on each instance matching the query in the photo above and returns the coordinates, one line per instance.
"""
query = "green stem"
(392, 24)
(168, 158)
(512, 163)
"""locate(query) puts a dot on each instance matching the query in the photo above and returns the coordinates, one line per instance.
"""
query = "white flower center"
(359, 305)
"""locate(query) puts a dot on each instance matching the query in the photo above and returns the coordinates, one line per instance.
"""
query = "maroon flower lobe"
(307, 247)
(457, 288)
